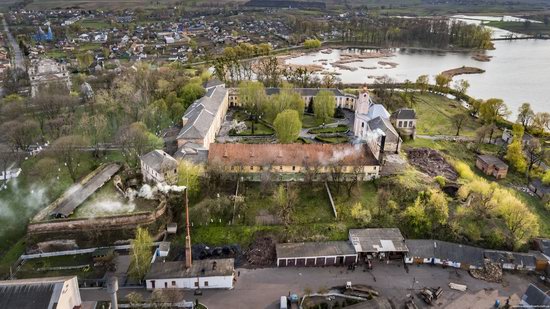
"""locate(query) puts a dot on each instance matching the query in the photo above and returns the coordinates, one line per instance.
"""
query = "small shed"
(329, 253)
(383, 242)
(428, 251)
(172, 228)
(492, 166)
(540, 189)
(512, 260)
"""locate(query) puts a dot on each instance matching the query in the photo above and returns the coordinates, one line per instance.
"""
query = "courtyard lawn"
(342, 128)
(309, 121)
(338, 139)
(435, 114)
(30, 269)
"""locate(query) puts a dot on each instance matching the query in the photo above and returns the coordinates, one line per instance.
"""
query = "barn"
(329, 253)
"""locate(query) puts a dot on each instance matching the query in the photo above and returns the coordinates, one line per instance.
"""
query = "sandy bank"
(463, 70)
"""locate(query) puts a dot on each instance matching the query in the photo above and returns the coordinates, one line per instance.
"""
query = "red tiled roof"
(291, 154)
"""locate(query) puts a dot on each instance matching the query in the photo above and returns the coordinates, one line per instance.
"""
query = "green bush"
(464, 170)
(440, 180)
(312, 43)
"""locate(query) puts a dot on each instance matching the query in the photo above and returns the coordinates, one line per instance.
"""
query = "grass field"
(435, 115)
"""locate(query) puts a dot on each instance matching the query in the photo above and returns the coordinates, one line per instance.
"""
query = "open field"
(435, 115)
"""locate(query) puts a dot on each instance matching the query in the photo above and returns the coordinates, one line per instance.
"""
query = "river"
(518, 72)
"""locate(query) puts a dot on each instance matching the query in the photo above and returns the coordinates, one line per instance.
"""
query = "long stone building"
(296, 162)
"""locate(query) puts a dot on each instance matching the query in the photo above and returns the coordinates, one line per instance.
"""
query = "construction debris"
(261, 252)
(491, 272)
(431, 162)
(458, 287)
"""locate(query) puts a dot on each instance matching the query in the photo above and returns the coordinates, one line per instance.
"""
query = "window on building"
(399, 124)
(205, 283)
(294, 168)
(362, 124)
(165, 285)
(281, 167)
(197, 284)
(232, 167)
(173, 283)
(410, 124)
(251, 168)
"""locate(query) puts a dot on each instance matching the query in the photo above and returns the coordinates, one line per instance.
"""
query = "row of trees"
(427, 32)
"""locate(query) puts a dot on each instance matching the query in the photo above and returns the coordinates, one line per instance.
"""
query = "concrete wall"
(69, 296)
(217, 282)
(98, 224)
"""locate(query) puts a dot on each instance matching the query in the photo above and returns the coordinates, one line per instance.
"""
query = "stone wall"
(97, 224)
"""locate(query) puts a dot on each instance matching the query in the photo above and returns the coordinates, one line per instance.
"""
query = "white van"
(284, 303)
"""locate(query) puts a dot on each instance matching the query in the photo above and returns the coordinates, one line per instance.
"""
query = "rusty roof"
(292, 154)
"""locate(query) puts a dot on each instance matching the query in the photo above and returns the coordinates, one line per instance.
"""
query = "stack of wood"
(490, 272)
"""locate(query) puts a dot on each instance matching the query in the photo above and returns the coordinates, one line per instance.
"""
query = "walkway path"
(17, 55)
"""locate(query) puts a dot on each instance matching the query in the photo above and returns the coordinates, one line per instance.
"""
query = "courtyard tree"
(190, 93)
(541, 121)
(442, 81)
(189, 176)
(96, 128)
(461, 86)
(493, 110)
(287, 98)
(514, 153)
(429, 211)
(521, 224)
(323, 105)
(285, 197)
(422, 83)
(535, 154)
(312, 43)
(525, 115)
(135, 140)
(360, 213)
(252, 96)
(287, 126)
(458, 122)
(269, 72)
(20, 134)
(67, 150)
(141, 253)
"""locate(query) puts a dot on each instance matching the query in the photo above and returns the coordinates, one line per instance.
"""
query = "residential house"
(328, 253)
(540, 189)
(534, 297)
(202, 274)
(296, 162)
(159, 167)
(492, 166)
(404, 120)
(381, 242)
(41, 293)
(508, 137)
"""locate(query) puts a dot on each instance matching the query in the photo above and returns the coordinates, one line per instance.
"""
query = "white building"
(372, 121)
(45, 71)
(203, 274)
(159, 167)
(47, 293)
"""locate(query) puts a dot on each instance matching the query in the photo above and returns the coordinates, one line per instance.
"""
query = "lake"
(518, 72)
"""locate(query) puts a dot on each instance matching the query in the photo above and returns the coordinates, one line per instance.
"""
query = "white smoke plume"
(149, 193)
(17, 204)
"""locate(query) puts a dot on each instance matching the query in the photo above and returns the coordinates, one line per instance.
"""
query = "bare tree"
(67, 150)
(535, 154)
(458, 121)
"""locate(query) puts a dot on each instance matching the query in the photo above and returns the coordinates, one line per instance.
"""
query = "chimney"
(188, 257)
(112, 288)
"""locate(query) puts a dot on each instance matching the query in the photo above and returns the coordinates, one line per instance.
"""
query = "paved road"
(17, 54)
(262, 288)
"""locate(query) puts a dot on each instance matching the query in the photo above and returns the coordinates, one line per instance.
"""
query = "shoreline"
(461, 71)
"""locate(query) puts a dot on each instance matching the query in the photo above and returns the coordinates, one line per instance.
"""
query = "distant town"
(274, 154)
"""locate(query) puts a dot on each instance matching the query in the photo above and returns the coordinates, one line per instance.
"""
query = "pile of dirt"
(431, 162)
(261, 252)
(490, 272)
